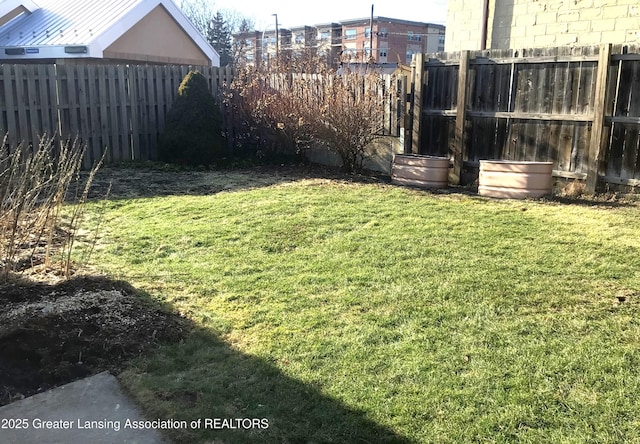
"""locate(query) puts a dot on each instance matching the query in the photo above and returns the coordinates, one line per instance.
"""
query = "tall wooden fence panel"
(540, 104)
(622, 157)
(117, 109)
(388, 89)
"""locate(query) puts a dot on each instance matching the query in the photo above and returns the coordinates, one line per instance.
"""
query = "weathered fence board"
(576, 107)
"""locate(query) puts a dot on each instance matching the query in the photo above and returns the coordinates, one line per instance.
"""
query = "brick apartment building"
(393, 41)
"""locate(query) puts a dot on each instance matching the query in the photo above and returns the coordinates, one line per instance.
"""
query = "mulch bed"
(54, 334)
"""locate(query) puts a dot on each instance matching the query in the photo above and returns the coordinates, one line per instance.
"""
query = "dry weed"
(35, 183)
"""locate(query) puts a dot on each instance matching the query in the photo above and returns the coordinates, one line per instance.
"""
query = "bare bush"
(350, 117)
(35, 182)
(299, 103)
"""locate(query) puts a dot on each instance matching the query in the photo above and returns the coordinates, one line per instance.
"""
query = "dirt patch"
(54, 334)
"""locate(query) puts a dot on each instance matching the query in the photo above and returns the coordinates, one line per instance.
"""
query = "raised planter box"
(515, 179)
(420, 171)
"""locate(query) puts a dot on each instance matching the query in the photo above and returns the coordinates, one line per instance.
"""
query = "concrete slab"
(92, 410)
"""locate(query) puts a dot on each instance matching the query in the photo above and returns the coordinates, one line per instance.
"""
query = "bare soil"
(54, 334)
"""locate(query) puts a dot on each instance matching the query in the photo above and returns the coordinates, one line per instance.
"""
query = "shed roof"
(96, 24)
(11, 8)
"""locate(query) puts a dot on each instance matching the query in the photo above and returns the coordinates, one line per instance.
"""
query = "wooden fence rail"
(119, 109)
(576, 107)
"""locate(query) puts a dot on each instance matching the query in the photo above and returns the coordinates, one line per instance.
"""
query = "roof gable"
(95, 24)
(10, 9)
(169, 45)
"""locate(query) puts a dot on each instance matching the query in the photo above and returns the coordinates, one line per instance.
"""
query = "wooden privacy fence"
(117, 108)
(576, 107)
(121, 109)
(388, 89)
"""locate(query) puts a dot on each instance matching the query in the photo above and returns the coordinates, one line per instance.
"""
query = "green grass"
(364, 312)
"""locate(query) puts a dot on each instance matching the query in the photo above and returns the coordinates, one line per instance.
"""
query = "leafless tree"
(200, 12)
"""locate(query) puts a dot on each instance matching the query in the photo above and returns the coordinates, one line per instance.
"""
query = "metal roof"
(8, 6)
(94, 23)
(70, 22)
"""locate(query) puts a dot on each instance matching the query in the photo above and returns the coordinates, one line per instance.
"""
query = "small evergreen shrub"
(193, 131)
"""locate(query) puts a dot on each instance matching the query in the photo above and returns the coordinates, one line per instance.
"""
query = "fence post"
(416, 98)
(597, 129)
(402, 115)
(461, 117)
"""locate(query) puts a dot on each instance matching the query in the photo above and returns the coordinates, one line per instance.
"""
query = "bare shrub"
(350, 117)
(299, 103)
(574, 189)
(35, 182)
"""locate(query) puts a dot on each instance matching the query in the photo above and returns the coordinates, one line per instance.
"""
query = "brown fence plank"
(136, 126)
(152, 117)
(34, 105)
(95, 146)
(160, 99)
(103, 122)
(81, 74)
(596, 145)
(123, 93)
(115, 150)
(46, 107)
(458, 149)
(10, 105)
(22, 103)
(54, 99)
(417, 87)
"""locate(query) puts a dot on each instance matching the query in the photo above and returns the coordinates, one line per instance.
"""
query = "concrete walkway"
(93, 410)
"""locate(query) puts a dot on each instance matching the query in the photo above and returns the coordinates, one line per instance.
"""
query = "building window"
(299, 38)
(367, 32)
(384, 32)
(413, 37)
(350, 53)
(410, 53)
(383, 53)
(350, 34)
(324, 35)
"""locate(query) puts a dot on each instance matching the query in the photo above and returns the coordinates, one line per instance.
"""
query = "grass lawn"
(364, 312)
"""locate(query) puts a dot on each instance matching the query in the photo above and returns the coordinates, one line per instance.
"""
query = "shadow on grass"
(140, 181)
(205, 379)
(174, 369)
(598, 201)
